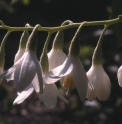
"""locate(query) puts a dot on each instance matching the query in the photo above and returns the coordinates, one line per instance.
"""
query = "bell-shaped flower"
(50, 91)
(21, 50)
(77, 77)
(56, 55)
(101, 83)
(97, 76)
(27, 68)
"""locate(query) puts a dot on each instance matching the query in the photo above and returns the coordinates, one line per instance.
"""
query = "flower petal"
(23, 95)
(27, 68)
(12, 69)
(19, 54)
(49, 96)
(104, 87)
(80, 79)
(59, 72)
(56, 58)
(37, 85)
(93, 78)
(101, 83)
(40, 79)
(119, 76)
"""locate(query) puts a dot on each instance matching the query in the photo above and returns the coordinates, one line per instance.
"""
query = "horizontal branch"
(58, 28)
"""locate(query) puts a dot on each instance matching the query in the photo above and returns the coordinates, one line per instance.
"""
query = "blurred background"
(50, 13)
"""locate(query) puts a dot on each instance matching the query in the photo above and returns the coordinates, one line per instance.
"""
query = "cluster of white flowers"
(29, 75)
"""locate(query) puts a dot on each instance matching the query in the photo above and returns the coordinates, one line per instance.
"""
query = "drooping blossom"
(27, 69)
(56, 56)
(50, 91)
(97, 76)
(77, 77)
(101, 83)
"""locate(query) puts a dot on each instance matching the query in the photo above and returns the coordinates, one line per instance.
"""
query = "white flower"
(119, 76)
(76, 78)
(56, 57)
(26, 69)
(101, 83)
(50, 91)
(50, 95)
(19, 54)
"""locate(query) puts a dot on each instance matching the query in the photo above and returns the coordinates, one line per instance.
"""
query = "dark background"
(50, 13)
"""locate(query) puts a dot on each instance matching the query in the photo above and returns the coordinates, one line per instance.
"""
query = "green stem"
(67, 21)
(74, 48)
(55, 29)
(97, 58)
(4, 40)
(59, 38)
(46, 43)
(44, 58)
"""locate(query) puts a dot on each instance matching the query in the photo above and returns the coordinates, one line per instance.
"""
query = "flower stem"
(44, 58)
(59, 38)
(74, 48)
(46, 43)
(59, 28)
(97, 58)
(4, 40)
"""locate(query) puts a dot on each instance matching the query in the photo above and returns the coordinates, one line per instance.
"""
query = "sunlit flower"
(50, 91)
(56, 57)
(20, 52)
(27, 69)
(101, 83)
(97, 76)
(76, 78)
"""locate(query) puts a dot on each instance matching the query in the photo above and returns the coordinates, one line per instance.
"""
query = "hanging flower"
(27, 68)
(56, 56)
(101, 83)
(97, 76)
(50, 91)
(21, 50)
(77, 77)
